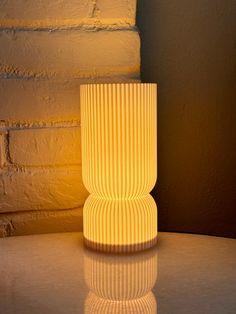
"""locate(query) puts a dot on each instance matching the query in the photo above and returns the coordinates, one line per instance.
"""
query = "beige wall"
(47, 49)
(189, 49)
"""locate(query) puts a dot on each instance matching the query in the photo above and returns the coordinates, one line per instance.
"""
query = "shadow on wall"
(188, 48)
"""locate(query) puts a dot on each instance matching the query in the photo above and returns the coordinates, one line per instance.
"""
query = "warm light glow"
(119, 162)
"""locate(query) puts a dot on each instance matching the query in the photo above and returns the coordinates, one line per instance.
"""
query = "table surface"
(54, 273)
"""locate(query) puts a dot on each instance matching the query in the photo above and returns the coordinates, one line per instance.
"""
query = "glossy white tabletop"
(54, 273)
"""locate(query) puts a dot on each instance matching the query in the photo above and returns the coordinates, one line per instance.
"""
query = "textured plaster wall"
(47, 49)
(189, 48)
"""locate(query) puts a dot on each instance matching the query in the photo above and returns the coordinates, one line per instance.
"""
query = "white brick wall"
(42, 189)
(58, 146)
(70, 54)
(44, 10)
(47, 49)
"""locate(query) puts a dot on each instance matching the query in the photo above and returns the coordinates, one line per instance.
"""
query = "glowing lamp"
(119, 165)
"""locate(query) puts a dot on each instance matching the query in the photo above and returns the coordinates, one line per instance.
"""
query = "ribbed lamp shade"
(119, 165)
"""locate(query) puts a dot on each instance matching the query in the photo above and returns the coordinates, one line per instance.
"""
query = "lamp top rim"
(119, 84)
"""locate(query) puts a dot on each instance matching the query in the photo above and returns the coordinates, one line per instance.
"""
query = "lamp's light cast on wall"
(119, 165)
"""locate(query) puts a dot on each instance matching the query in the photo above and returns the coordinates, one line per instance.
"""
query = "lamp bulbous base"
(120, 248)
(120, 226)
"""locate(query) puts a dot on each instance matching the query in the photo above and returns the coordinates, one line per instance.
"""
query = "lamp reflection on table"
(120, 283)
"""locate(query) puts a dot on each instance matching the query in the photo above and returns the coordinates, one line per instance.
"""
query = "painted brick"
(74, 54)
(42, 100)
(64, 9)
(46, 146)
(41, 189)
(33, 222)
(45, 100)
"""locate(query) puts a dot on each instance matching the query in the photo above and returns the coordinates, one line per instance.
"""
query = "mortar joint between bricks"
(7, 149)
